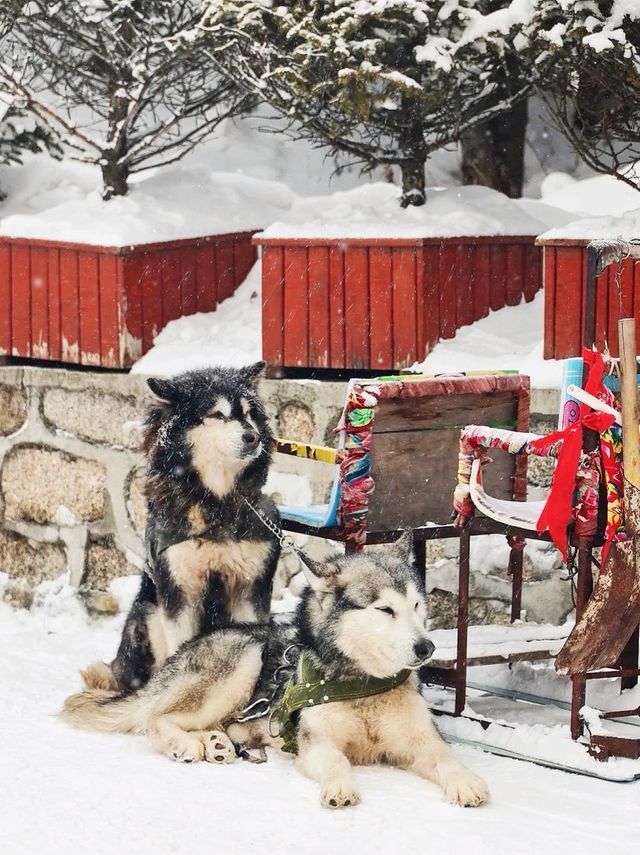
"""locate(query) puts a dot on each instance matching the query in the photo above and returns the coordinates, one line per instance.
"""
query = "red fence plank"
(151, 288)
(532, 271)
(336, 306)
(225, 268)
(296, 306)
(89, 308)
(109, 309)
(497, 278)
(319, 335)
(568, 301)
(39, 303)
(273, 305)
(381, 307)
(21, 300)
(188, 289)
(463, 282)
(431, 287)
(244, 257)
(515, 274)
(404, 305)
(206, 293)
(356, 306)
(549, 302)
(5, 300)
(481, 282)
(447, 291)
(53, 279)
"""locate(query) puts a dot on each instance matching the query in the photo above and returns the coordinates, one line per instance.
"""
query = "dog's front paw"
(219, 748)
(462, 787)
(186, 749)
(339, 794)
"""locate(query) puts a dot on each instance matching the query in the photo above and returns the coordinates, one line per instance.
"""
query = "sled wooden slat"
(380, 321)
(494, 658)
(102, 305)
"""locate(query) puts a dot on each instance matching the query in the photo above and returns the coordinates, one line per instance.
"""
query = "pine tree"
(119, 81)
(384, 81)
(594, 91)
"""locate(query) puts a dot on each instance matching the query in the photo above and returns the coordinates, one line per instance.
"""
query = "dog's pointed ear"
(252, 373)
(402, 548)
(165, 391)
(324, 579)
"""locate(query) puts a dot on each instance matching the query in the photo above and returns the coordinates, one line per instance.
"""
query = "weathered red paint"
(383, 303)
(101, 305)
(617, 296)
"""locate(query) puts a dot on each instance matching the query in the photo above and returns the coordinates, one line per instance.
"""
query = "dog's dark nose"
(423, 649)
(251, 438)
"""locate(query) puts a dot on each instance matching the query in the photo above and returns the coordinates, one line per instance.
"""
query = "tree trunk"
(413, 188)
(493, 152)
(114, 180)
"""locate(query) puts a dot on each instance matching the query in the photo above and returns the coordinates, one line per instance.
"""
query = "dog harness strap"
(313, 690)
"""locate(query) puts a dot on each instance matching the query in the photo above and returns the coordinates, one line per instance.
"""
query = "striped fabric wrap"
(475, 442)
(355, 469)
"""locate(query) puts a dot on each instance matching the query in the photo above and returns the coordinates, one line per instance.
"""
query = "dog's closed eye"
(215, 414)
(387, 610)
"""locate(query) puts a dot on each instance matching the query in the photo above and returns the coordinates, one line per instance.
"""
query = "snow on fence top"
(373, 211)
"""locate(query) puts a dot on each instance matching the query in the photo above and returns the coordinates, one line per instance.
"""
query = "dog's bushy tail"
(99, 709)
(99, 675)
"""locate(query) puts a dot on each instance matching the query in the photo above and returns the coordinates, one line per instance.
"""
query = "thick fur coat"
(211, 560)
(364, 617)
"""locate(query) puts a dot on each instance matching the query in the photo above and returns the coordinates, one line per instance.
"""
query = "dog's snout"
(251, 438)
(423, 649)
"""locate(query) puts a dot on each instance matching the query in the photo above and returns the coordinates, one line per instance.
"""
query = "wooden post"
(630, 417)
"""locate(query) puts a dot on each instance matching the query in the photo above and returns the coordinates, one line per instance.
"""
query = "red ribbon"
(557, 512)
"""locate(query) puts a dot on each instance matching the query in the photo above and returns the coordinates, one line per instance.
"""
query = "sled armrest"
(309, 452)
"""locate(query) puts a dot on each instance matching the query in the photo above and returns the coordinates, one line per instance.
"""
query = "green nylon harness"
(312, 689)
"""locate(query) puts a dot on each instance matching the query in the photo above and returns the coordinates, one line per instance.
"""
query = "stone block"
(104, 563)
(136, 501)
(44, 485)
(13, 409)
(295, 421)
(30, 562)
(93, 415)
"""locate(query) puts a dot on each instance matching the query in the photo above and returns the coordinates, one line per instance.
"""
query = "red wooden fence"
(617, 296)
(97, 305)
(383, 303)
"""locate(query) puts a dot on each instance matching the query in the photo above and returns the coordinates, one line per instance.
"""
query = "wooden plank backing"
(549, 285)
(336, 306)
(69, 306)
(89, 308)
(415, 455)
(431, 288)
(447, 291)
(108, 271)
(53, 279)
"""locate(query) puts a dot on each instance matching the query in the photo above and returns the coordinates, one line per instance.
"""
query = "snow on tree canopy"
(384, 81)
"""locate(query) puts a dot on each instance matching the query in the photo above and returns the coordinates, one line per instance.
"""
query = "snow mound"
(231, 336)
(374, 211)
(509, 339)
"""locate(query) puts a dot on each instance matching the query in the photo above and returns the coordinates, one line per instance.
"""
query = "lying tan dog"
(359, 637)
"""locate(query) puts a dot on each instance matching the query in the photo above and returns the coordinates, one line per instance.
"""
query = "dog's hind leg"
(410, 739)
(187, 726)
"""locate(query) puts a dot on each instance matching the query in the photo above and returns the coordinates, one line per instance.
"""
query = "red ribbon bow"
(557, 512)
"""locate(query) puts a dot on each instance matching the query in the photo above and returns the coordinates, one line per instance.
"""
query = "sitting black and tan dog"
(358, 638)
(210, 558)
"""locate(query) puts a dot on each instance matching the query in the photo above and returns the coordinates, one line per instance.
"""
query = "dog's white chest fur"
(239, 563)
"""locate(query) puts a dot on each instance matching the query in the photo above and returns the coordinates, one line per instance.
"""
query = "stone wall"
(71, 486)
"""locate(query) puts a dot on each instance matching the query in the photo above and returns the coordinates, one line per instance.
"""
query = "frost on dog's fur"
(364, 616)
(208, 447)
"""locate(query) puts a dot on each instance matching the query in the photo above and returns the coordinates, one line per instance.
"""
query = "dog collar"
(312, 689)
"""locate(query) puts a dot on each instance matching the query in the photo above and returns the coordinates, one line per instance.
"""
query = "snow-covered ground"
(65, 791)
